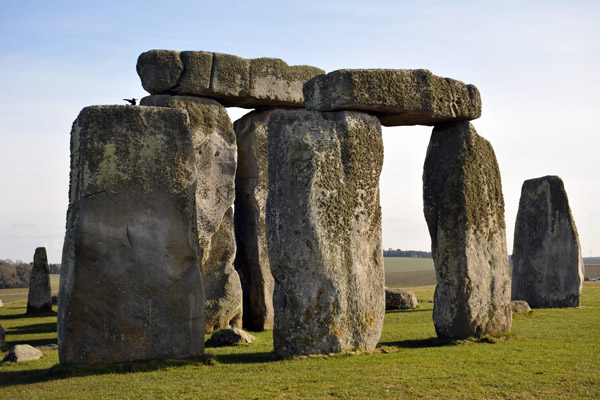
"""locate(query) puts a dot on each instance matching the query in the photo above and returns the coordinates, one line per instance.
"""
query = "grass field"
(551, 354)
(404, 271)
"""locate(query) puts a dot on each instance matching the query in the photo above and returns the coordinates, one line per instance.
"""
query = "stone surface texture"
(464, 209)
(251, 190)
(39, 299)
(547, 259)
(216, 156)
(324, 231)
(234, 81)
(399, 299)
(23, 352)
(229, 337)
(520, 306)
(131, 285)
(395, 96)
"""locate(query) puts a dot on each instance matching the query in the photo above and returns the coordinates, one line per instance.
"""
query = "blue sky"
(535, 63)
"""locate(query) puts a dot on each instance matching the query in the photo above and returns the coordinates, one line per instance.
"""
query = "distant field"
(409, 272)
(592, 270)
(9, 295)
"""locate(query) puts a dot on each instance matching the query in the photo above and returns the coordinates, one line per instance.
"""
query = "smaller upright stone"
(547, 260)
(2, 336)
(1, 303)
(395, 96)
(23, 352)
(464, 209)
(399, 299)
(39, 300)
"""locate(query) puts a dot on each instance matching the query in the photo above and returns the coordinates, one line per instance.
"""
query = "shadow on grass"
(420, 343)
(29, 316)
(247, 358)
(63, 371)
(48, 327)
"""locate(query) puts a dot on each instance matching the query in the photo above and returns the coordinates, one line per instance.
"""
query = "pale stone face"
(39, 299)
(131, 286)
(234, 81)
(324, 231)
(216, 159)
(395, 96)
(547, 260)
(251, 187)
(464, 209)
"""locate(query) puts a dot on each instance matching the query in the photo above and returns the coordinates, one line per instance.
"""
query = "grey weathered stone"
(396, 96)
(131, 285)
(1, 303)
(324, 231)
(251, 189)
(520, 306)
(39, 299)
(23, 352)
(229, 337)
(234, 81)
(464, 209)
(222, 287)
(547, 260)
(2, 336)
(399, 299)
(160, 70)
(216, 155)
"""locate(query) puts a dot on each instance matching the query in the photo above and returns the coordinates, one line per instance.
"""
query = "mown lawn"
(551, 354)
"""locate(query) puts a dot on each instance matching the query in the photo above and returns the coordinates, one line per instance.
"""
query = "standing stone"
(39, 299)
(464, 209)
(547, 260)
(131, 286)
(324, 231)
(2, 336)
(216, 157)
(251, 189)
(223, 306)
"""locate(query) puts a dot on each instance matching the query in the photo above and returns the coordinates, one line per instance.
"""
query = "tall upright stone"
(547, 260)
(216, 157)
(131, 285)
(39, 299)
(464, 209)
(251, 190)
(324, 231)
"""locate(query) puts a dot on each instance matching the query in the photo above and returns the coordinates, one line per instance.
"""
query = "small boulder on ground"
(520, 306)
(229, 337)
(399, 299)
(23, 352)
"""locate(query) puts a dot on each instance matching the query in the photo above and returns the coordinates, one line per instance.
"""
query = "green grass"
(551, 354)
(10, 295)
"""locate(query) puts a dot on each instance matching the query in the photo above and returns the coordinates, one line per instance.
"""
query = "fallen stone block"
(395, 96)
(23, 352)
(234, 81)
(520, 306)
(131, 285)
(229, 337)
(399, 299)
(464, 210)
(547, 259)
(324, 231)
